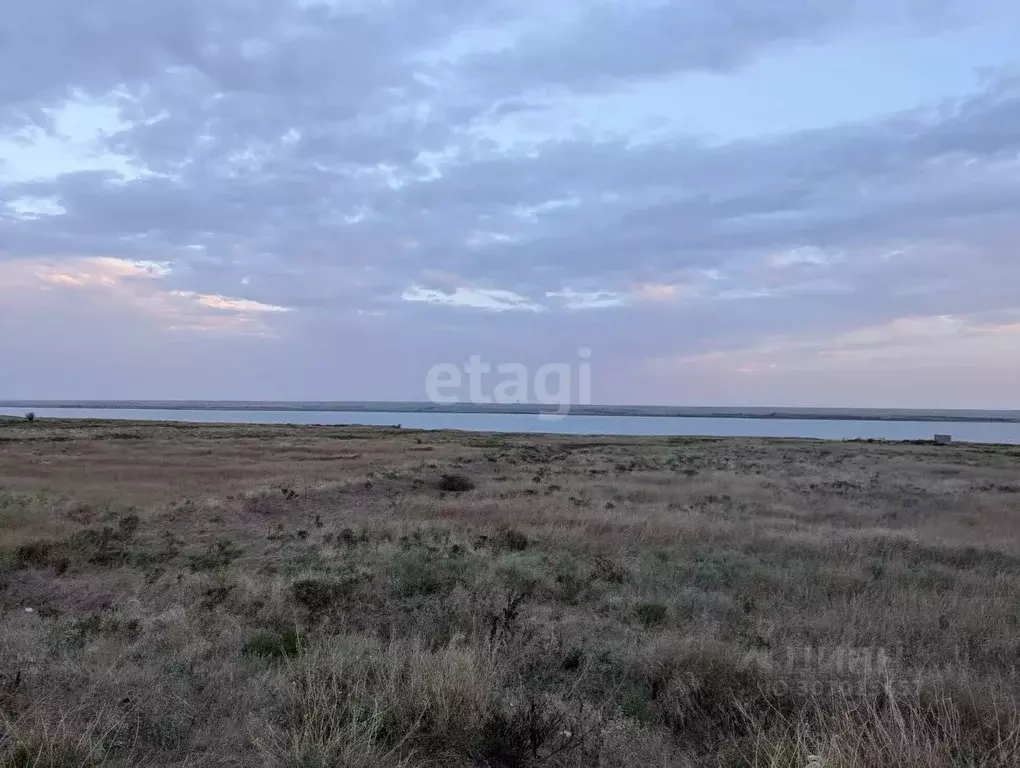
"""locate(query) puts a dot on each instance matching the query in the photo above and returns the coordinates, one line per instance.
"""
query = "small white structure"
(943, 439)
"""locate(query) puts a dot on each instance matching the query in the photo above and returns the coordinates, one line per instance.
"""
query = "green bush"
(273, 645)
(420, 573)
(651, 614)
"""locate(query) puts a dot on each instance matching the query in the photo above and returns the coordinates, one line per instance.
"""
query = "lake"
(830, 429)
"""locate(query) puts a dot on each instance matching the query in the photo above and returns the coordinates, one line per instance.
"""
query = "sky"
(709, 202)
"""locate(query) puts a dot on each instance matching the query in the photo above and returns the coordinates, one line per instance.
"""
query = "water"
(831, 429)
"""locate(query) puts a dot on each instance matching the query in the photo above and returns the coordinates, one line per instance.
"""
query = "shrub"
(513, 540)
(358, 702)
(217, 591)
(573, 579)
(419, 572)
(456, 483)
(535, 731)
(651, 614)
(316, 595)
(30, 416)
(219, 555)
(100, 546)
(96, 625)
(610, 570)
(350, 537)
(127, 526)
(36, 553)
(636, 702)
(721, 569)
(273, 645)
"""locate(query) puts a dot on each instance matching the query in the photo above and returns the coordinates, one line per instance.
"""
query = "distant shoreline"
(818, 414)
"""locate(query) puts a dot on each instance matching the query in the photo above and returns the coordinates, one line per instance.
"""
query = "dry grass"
(224, 595)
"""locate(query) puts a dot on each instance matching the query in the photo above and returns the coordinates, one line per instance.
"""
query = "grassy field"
(296, 596)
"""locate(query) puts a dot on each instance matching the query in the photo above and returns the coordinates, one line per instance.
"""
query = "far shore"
(713, 412)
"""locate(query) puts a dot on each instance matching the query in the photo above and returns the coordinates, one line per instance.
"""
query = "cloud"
(572, 299)
(228, 304)
(656, 292)
(914, 343)
(804, 256)
(603, 43)
(90, 271)
(474, 298)
(36, 207)
(137, 286)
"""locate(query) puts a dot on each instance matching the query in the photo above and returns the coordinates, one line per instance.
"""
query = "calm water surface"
(977, 432)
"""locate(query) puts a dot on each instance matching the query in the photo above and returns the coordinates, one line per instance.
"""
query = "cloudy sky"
(729, 202)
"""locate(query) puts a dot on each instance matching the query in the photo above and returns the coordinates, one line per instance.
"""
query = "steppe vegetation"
(372, 598)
